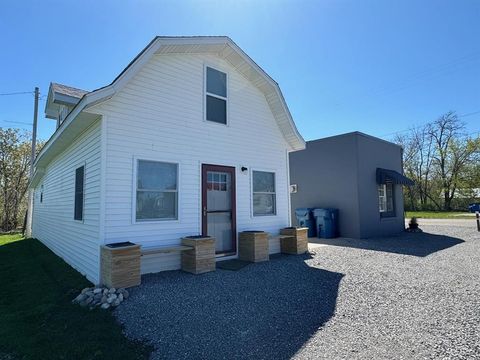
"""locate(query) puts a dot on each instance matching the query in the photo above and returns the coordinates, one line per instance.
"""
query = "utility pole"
(27, 228)
(34, 131)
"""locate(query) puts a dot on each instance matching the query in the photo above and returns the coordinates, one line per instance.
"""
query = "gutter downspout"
(401, 187)
(289, 199)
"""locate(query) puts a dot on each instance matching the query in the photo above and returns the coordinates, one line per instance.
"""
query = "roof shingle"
(68, 90)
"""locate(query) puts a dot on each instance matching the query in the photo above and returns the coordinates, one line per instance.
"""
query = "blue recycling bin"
(326, 223)
(305, 219)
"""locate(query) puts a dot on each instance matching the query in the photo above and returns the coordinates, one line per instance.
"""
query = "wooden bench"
(164, 249)
(280, 237)
(197, 253)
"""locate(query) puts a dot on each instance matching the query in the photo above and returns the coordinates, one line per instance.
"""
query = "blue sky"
(375, 66)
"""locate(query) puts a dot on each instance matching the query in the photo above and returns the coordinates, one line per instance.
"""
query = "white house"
(191, 138)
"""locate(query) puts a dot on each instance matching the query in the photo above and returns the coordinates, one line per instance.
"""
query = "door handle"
(204, 211)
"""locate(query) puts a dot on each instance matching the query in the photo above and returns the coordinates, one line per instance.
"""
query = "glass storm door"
(218, 207)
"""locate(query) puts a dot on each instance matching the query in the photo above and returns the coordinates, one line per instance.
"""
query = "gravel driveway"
(415, 296)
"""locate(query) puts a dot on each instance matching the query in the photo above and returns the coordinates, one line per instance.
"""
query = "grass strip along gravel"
(38, 320)
(439, 215)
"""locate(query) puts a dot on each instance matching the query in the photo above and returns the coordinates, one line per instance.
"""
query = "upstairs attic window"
(62, 114)
(216, 96)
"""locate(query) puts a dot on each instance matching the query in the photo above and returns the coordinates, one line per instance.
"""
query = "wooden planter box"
(120, 265)
(297, 243)
(201, 258)
(253, 246)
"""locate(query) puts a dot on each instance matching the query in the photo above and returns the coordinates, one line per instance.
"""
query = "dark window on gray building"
(386, 201)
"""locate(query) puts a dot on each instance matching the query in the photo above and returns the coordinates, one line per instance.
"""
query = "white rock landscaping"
(102, 297)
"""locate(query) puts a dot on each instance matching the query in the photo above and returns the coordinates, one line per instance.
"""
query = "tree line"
(15, 150)
(444, 161)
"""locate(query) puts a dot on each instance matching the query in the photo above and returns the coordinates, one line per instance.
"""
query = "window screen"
(264, 196)
(386, 203)
(156, 190)
(216, 82)
(216, 110)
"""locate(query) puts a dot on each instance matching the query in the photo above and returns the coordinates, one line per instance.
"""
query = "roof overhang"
(60, 140)
(57, 98)
(37, 176)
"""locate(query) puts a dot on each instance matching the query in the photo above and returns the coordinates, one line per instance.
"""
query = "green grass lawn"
(439, 215)
(37, 318)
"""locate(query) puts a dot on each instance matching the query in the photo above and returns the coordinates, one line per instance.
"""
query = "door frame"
(233, 194)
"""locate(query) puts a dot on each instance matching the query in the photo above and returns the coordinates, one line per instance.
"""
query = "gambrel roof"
(221, 46)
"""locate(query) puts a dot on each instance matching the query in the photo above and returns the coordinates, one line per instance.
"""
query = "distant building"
(356, 173)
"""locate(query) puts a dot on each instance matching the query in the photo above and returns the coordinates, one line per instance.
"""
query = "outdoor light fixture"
(244, 169)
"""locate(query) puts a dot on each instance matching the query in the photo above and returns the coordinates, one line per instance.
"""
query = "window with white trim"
(386, 200)
(156, 191)
(216, 96)
(264, 195)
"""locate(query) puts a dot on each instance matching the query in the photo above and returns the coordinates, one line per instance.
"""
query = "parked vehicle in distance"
(474, 207)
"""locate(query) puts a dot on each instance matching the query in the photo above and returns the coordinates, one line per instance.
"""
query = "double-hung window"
(79, 193)
(264, 196)
(216, 96)
(385, 200)
(157, 191)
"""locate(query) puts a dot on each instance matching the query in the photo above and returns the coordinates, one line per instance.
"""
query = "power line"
(469, 114)
(411, 80)
(17, 122)
(426, 74)
(423, 124)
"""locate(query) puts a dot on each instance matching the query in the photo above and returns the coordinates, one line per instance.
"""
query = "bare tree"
(417, 162)
(454, 151)
(14, 170)
(438, 157)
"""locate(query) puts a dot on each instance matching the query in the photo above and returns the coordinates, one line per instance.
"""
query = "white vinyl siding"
(53, 219)
(159, 114)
